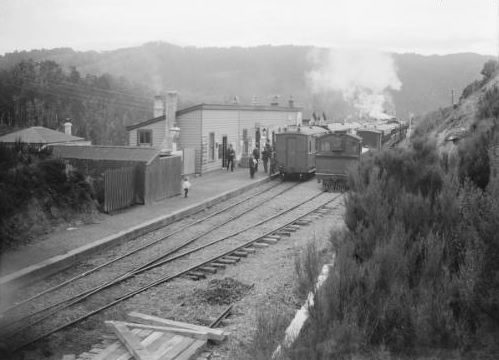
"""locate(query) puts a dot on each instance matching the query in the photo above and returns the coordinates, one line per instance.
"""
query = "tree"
(489, 68)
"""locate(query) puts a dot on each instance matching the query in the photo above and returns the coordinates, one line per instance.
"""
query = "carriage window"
(325, 146)
(309, 145)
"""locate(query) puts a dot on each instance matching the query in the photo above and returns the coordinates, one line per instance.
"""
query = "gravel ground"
(264, 279)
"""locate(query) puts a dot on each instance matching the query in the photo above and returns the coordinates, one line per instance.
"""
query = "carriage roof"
(358, 138)
(305, 130)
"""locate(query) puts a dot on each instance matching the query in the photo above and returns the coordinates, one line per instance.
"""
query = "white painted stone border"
(301, 316)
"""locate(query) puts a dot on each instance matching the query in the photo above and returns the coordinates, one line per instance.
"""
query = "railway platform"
(61, 249)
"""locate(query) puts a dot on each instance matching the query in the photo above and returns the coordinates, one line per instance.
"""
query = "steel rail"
(88, 272)
(63, 304)
(161, 280)
(137, 270)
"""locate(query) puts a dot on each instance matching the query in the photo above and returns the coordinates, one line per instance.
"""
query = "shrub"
(270, 325)
(30, 179)
(307, 268)
(416, 265)
(473, 151)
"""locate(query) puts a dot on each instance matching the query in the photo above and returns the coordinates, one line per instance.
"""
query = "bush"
(31, 182)
(307, 267)
(416, 265)
(270, 324)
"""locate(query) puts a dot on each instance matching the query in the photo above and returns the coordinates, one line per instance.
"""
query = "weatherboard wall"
(190, 134)
(233, 123)
(221, 123)
(198, 123)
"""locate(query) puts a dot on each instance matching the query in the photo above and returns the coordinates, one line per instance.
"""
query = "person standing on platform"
(186, 185)
(231, 154)
(266, 153)
(272, 169)
(256, 156)
(252, 166)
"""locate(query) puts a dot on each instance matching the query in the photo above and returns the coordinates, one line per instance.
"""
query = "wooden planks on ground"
(213, 334)
(175, 341)
(163, 340)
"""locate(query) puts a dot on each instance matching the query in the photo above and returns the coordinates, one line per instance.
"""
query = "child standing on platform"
(186, 185)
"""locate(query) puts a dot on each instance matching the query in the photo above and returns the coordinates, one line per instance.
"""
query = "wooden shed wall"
(96, 169)
(162, 178)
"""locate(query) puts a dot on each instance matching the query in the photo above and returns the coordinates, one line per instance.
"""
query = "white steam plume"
(364, 77)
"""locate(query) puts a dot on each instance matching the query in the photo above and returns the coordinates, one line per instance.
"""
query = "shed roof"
(228, 107)
(39, 135)
(97, 152)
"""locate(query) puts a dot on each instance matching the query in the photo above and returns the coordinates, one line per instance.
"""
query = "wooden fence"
(119, 188)
(163, 178)
(189, 160)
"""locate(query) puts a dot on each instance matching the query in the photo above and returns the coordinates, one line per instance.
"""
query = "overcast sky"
(421, 26)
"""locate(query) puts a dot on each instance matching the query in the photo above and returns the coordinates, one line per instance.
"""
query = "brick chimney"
(171, 108)
(159, 106)
(170, 111)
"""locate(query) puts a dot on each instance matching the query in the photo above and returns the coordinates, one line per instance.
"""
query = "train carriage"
(335, 154)
(295, 151)
(382, 135)
(371, 138)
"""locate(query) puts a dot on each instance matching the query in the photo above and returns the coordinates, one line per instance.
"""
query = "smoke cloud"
(364, 77)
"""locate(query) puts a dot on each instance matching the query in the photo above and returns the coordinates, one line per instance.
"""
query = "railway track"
(146, 244)
(239, 206)
(205, 254)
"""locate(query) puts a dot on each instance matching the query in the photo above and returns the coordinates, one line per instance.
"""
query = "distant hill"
(219, 74)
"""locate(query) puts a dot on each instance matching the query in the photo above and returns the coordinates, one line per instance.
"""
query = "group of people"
(266, 154)
(255, 157)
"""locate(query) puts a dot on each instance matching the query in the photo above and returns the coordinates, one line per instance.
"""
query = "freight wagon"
(382, 135)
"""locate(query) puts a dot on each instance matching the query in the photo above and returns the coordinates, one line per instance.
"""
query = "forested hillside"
(42, 93)
(218, 74)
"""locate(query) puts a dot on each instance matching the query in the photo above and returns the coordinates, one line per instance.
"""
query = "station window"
(144, 137)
